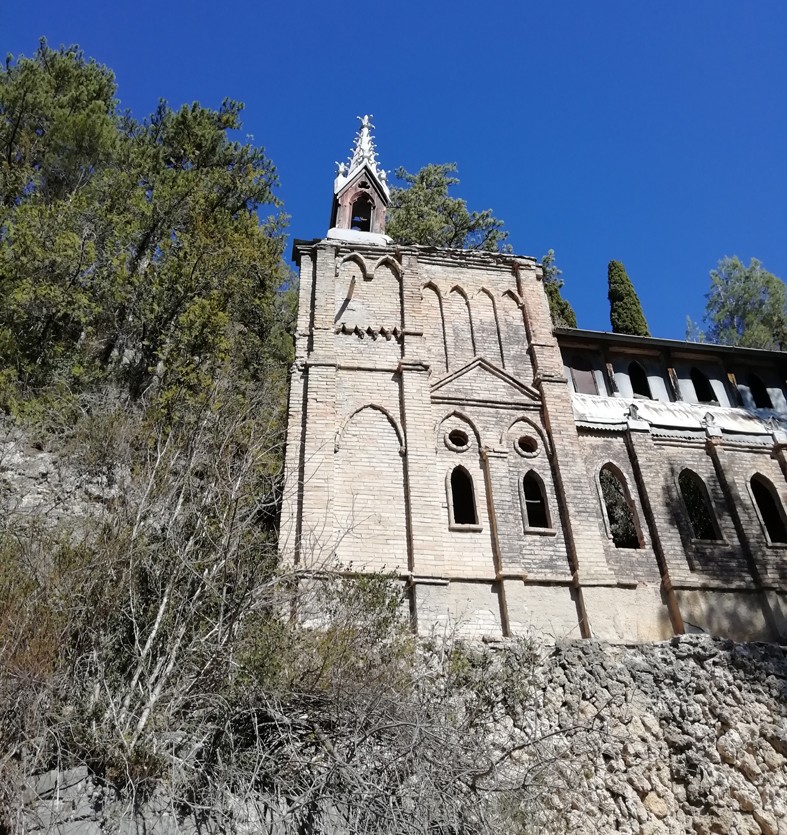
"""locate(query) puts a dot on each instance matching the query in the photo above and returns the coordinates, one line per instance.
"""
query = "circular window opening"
(458, 438)
(527, 445)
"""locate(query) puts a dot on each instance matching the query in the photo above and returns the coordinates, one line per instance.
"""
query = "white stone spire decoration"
(363, 154)
(360, 194)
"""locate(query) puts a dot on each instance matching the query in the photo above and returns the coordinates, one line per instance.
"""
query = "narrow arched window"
(582, 375)
(698, 506)
(702, 387)
(759, 394)
(620, 509)
(361, 214)
(770, 509)
(639, 380)
(462, 498)
(535, 503)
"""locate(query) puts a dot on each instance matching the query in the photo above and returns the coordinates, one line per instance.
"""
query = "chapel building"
(515, 476)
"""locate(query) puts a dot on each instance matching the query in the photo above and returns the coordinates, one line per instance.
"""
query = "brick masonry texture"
(399, 350)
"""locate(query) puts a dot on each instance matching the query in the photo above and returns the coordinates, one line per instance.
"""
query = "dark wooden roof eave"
(577, 337)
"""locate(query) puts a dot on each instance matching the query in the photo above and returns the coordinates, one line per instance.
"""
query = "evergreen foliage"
(745, 306)
(424, 213)
(562, 312)
(130, 251)
(625, 311)
(619, 512)
(145, 627)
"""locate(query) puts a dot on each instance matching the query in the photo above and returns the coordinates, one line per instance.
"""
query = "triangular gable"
(482, 382)
(364, 172)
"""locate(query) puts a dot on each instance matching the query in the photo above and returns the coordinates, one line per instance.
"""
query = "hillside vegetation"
(146, 628)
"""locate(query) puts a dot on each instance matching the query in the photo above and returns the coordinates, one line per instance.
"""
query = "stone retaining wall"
(685, 736)
(688, 735)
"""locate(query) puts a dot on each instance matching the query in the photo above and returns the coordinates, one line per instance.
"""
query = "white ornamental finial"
(363, 149)
(363, 153)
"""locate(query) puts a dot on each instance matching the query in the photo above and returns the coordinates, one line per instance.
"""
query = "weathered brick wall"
(369, 507)
(629, 565)
(396, 348)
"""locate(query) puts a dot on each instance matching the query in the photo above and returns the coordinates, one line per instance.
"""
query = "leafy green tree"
(563, 315)
(424, 213)
(130, 250)
(745, 306)
(625, 311)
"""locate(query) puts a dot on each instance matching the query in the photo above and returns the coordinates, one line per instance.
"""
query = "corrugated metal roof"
(609, 412)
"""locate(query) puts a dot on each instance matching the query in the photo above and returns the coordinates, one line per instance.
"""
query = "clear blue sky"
(647, 131)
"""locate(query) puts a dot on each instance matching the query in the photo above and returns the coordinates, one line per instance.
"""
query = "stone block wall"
(684, 736)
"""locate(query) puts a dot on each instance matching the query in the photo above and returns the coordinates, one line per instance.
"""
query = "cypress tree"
(563, 315)
(625, 311)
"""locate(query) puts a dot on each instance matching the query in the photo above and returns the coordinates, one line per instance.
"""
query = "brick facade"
(412, 362)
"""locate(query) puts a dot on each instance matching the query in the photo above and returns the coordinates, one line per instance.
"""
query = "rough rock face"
(74, 802)
(37, 483)
(691, 735)
(686, 736)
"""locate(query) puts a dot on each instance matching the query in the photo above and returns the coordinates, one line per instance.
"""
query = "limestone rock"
(697, 744)
(767, 823)
(656, 805)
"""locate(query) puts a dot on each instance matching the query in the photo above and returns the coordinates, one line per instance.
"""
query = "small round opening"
(527, 445)
(457, 438)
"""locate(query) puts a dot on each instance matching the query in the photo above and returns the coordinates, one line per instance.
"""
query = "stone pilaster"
(423, 490)
(319, 404)
(292, 494)
(496, 472)
(574, 485)
(724, 465)
(646, 465)
(780, 450)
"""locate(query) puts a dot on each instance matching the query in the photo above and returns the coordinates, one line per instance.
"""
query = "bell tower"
(360, 193)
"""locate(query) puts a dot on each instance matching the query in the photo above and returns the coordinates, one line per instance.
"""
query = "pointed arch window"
(621, 515)
(461, 495)
(702, 387)
(769, 508)
(361, 214)
(759, 394)
(697, 502)
(534, 502)
(639, 380)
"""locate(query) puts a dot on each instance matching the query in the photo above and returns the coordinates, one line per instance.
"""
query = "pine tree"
(423, 213)
(563, 315)
(130, 250)
(625, 311)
